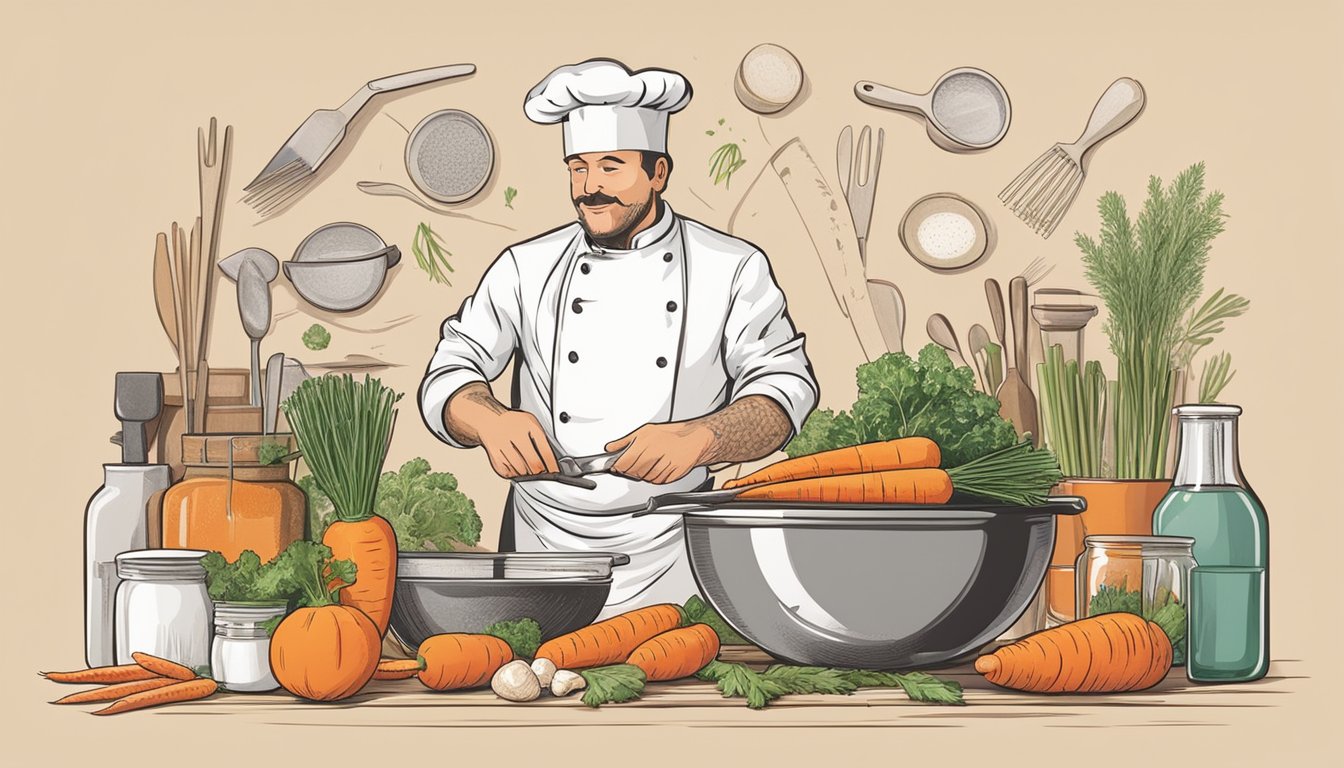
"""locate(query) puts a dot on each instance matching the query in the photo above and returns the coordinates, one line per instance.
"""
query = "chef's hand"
(513, 440)
(661, 453)
(517, 445)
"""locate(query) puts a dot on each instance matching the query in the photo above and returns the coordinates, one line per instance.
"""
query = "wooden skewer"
(212, 166)
(179, 316)
(199, 320)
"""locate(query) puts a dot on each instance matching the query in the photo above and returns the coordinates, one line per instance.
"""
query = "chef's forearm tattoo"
(462, 429)
(746, 430)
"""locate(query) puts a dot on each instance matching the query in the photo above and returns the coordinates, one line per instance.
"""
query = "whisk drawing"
(1043, 193)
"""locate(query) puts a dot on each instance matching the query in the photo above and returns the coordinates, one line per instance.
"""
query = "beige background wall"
(97, 149)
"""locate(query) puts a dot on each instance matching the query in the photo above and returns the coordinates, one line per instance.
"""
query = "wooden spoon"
(163, 289)
(994, 294)
(1016, 402)
(940, 330)
(976, 341)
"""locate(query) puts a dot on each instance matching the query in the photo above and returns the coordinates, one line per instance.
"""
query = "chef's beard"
(631, 216)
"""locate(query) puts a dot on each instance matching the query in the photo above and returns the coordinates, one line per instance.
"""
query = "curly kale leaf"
(900, 396)
(426, 509)
(316, 338)
(522, 635)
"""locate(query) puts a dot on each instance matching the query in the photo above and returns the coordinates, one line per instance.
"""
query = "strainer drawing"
(967, 110)
(449, 156)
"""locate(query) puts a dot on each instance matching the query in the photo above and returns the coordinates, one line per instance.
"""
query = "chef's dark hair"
(649, 162)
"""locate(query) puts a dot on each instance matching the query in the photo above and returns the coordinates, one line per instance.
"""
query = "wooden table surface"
(1174, 702)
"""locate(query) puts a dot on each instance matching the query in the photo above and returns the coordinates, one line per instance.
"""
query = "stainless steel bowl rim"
(467, 567)
(529, 581)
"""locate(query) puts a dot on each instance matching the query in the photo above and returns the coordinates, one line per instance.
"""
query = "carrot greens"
(343, 428)
(761, 688)
(612, 684)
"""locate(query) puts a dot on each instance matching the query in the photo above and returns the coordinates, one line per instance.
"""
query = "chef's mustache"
(597, 198)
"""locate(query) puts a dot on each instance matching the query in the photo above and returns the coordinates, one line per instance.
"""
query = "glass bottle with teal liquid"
(1229, 588)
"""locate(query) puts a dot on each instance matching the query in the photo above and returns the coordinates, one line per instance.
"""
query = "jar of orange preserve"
(236, 495)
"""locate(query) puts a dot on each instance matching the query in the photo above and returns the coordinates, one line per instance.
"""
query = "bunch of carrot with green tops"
(149, 682)
(903, 471)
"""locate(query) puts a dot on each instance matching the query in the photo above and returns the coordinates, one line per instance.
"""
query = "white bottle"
(115, 523)
(115, 519)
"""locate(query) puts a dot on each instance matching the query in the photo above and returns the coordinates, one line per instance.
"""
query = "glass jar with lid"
(1144, 575)
(231, 499)
(162, 607)
(240, 656)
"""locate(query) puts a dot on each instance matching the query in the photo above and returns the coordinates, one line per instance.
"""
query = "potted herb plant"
(1113, 438)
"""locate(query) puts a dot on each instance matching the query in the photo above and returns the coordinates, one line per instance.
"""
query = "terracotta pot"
(1114, 507)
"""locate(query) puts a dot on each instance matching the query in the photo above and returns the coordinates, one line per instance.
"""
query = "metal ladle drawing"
(253, 269)
(967, 110)
(254, 308)
(388, 189)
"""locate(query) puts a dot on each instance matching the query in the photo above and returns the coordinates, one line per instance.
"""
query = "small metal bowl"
(341, 267)
(440, 592)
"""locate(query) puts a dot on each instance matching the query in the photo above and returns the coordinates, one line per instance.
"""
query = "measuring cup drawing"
(967, 110)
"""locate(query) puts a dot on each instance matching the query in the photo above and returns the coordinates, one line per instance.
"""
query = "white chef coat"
(605, 341)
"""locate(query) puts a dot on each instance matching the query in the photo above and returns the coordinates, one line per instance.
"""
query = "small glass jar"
(1144, 575)
(229, 501)
(163, 608)
(240, 657)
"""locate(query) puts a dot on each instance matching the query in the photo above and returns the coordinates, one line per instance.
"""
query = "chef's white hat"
(604, 106)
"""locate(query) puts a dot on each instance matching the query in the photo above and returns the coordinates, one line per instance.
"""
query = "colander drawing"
(449, 156)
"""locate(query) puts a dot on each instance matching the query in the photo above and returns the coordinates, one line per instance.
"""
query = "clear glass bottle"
(1211, 502)
(240, 656)
(163, 608)
(1145, 575)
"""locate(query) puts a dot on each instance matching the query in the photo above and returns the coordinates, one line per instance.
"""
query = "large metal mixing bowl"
(892, 587)
(440, 592)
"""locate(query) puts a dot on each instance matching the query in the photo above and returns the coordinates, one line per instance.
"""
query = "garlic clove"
(544, 670)
(566, 682)
(516, 681)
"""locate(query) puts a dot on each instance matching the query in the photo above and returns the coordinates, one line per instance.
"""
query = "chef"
(631, 330)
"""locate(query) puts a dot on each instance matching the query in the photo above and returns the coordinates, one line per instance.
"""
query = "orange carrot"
(611, 641)
(189, 690)
(1102, 654)
(676, 654)
(397, 669)
(164, 667)
(902, 453)
(895, 486)
(325, 653)
(124, 673)
(372, 545)
(114, 692)
(451, 662)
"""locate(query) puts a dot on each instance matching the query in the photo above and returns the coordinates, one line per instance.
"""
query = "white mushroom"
(545, 670)
(565, 682)
(516, 681)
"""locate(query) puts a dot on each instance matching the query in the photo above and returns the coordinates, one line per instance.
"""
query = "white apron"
(606, 342)
(616, 362)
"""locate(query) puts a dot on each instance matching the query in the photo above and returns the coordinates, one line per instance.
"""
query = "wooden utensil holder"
(227, 410)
